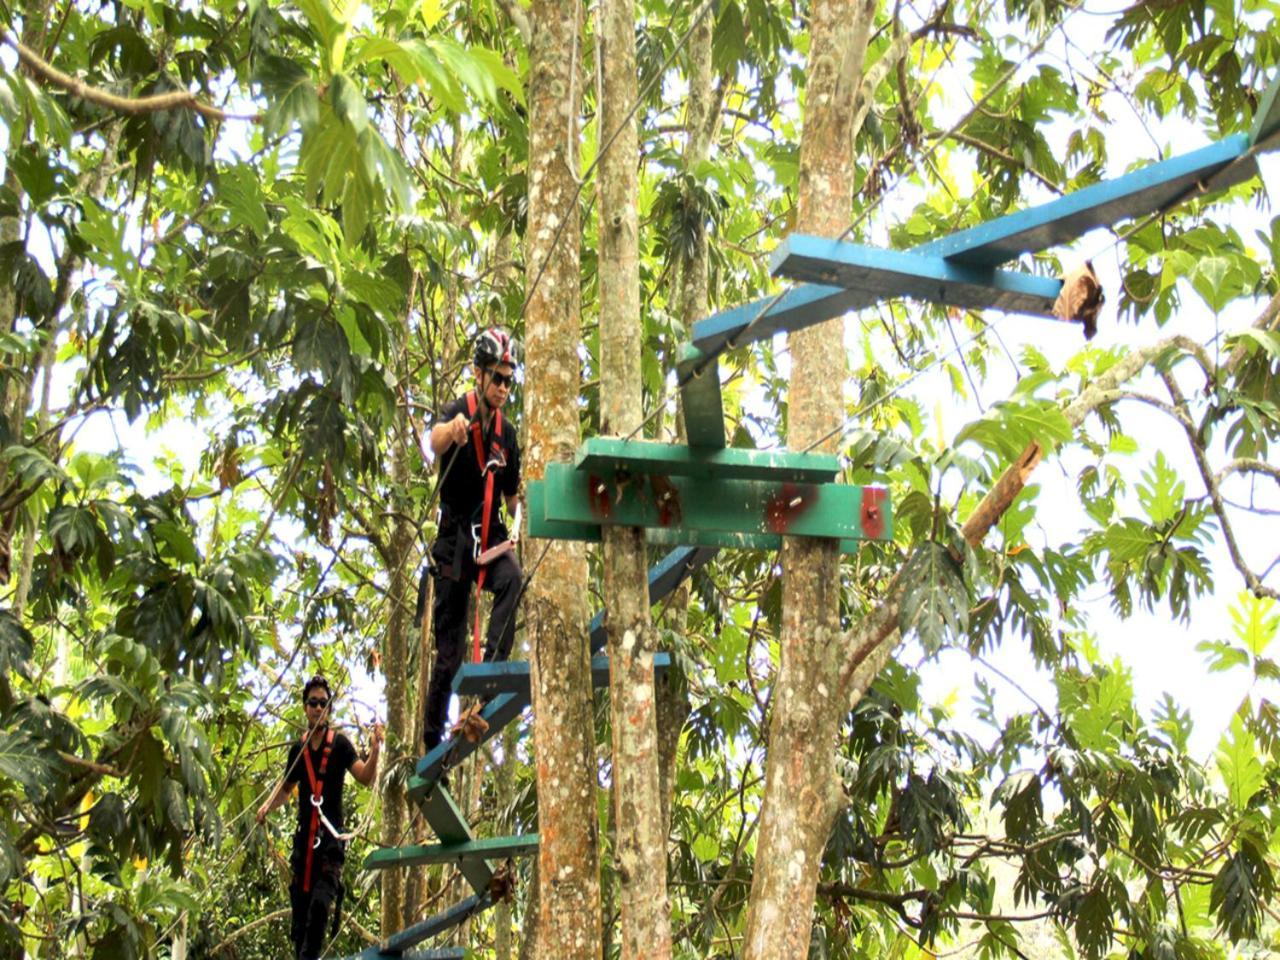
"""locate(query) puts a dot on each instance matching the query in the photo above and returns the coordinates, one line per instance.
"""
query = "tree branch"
(132, 106)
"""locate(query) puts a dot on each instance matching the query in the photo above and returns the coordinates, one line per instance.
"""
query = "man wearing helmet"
(479, 465)
(318, 764)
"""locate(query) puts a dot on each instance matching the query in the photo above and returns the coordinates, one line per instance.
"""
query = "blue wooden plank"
(795, 309)
(1136, 194)
(664, 576)
(440, 953)
(498, 713)
(700, 401)
(413, 935)
(807, 304)
(512, 676)
(931, 278)
(1265, 134)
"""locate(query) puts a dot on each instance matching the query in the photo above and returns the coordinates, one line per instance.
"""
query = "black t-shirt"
(462, 489)
(341, 757)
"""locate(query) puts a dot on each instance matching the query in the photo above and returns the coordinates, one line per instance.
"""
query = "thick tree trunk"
(556, 606)
(640, 848)
(802, 793)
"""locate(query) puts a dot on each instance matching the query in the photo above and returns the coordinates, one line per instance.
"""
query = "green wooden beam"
(490, 848)
(829, 510)
(451, 827)
(606, 455)
(1265, 134)
(702, 407)
(673, 536)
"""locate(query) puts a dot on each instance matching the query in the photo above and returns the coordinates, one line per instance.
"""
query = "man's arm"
(366, 770)
(449, 433)
(283, 791)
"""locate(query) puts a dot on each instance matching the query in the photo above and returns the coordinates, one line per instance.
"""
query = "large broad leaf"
(1252, 620)
(1010, 426)
(935, 600)
(1161, 491)
(241, 193)
(291, 95)
(22, 760)
(1239, 764)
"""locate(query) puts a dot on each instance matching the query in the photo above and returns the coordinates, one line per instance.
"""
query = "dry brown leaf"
(502, 885)
(1080, 299)
(471, 725)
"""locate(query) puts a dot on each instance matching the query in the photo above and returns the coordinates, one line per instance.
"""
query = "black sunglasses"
(501, 379)
(317, 702)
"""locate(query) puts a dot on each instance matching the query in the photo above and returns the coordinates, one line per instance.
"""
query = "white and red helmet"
(495, 345)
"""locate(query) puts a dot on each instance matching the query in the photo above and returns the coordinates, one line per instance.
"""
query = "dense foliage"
(217, 324)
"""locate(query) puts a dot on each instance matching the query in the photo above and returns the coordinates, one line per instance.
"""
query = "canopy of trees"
(243, 247)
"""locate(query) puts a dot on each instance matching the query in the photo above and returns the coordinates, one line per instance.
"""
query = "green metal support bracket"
(490, 848)
(703, 408)
(605, 456)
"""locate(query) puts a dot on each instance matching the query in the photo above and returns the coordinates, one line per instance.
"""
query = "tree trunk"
(556, 606)
(395, 668)
(640, 848)
(802, 793)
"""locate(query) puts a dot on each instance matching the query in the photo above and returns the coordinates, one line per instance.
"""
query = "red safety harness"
(316, 782)
(496, 459)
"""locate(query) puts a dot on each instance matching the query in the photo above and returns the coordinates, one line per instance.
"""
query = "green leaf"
(240, 192)
(706, 848)
(1252, 621)
(21, 760)
(1239, 765)
(291, 95)
(348, 104)
(1161, 492)
(935, 600)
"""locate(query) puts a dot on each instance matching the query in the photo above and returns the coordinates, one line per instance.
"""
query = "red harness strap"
(495, 448)
(316, 782)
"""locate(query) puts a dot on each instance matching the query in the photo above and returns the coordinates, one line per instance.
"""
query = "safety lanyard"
(487, 471)
(316, 783)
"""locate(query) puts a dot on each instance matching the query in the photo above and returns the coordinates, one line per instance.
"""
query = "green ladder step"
(471, 851)
(451, 827)
(606, 455)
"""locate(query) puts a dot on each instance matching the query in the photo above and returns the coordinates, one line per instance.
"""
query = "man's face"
(317, 706)
(495, 392)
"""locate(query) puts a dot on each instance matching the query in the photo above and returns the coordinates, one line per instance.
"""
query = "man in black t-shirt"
(319, 845)
(479, 463)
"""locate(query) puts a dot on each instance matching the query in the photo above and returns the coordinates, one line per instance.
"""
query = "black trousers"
(504, 581)
(313, 908)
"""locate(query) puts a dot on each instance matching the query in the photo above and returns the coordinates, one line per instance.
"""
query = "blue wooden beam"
(441, 953)
(1134, 194)
(498, 713)
(892, 273)
(1148, 190)
(512, 676)
(433, 926)
(1265, 134)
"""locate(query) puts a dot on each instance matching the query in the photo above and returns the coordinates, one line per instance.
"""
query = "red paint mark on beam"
(667, 498)
(788, 505)
(873, 500)
(598, 496)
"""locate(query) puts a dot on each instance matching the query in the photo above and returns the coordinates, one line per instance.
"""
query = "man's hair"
(316, 681)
